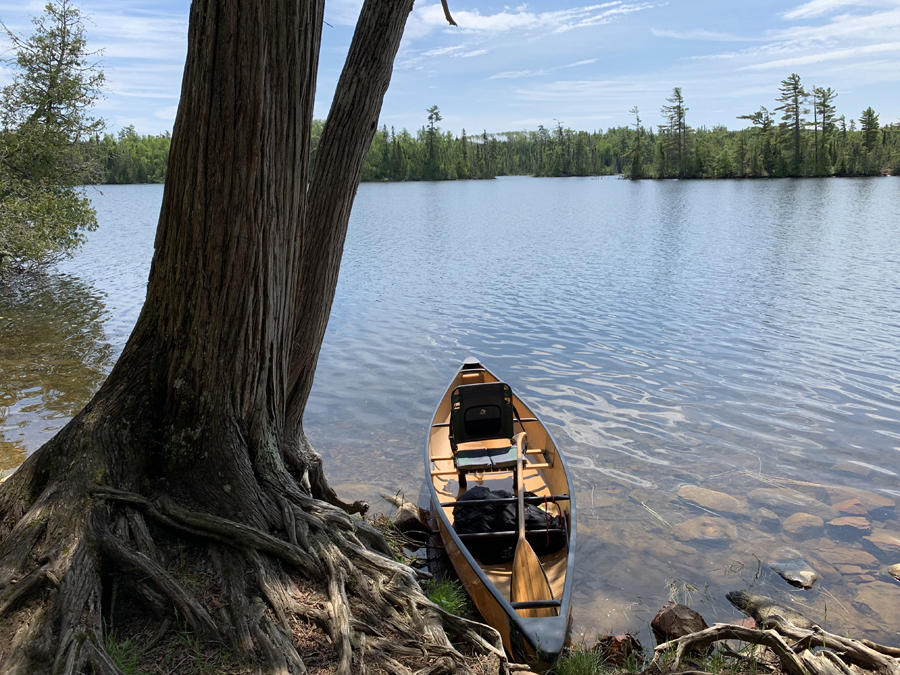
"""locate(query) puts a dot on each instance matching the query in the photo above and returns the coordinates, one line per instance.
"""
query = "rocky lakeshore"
(828, 552)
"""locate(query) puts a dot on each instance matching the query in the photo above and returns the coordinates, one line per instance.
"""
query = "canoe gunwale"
(530, 628)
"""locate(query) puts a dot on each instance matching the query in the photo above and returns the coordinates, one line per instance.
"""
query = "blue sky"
(515, 66)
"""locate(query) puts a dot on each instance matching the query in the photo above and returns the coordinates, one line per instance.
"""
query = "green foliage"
(203, 661)
(131, 158)
(44, 159)
(36, 222)
(765, 149)
(124, 653)
(792, 99)
(580, 661)
(449, 595)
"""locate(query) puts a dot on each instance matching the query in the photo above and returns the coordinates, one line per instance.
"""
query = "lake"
(739, 336)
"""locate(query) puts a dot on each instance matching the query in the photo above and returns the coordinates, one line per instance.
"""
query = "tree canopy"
(44, 157)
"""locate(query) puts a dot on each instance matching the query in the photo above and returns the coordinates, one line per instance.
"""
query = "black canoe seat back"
(481, 427)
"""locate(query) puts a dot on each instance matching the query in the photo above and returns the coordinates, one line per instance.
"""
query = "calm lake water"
(733, 335)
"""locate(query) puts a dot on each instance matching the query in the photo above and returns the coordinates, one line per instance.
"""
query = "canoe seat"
(481, 428)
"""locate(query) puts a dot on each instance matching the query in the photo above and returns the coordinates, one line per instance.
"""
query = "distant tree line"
(129, 157)
(801, 136)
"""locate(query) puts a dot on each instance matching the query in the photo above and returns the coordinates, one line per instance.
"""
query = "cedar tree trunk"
(197, 432)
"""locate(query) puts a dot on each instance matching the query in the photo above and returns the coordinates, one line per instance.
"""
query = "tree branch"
(447, 13)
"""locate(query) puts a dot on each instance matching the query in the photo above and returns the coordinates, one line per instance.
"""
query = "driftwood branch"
(836, 654)
(790, 662)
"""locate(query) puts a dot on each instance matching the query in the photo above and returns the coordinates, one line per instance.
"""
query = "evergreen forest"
(802, 135)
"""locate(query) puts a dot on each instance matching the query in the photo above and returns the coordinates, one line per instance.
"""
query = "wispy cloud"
(842, 37)
(514, 74)
(430, 17)
(815, 8)
(701, 34)
(835, 55)
(564, 90)
(441, 51)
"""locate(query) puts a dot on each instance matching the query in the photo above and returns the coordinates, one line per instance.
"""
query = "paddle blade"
(528, 581)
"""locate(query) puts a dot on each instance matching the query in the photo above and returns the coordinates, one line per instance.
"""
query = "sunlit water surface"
(733, 335)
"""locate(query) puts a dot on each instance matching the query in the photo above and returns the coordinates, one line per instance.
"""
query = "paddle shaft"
(519, 438)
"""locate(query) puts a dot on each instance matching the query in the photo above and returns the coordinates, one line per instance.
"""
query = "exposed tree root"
(794, 647)
(372, 607)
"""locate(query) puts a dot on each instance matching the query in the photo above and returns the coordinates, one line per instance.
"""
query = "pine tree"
(792, 99)
(636, 149)
(434, 116)
(676, 128)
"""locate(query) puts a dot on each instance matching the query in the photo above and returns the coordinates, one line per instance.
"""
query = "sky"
(510, 67)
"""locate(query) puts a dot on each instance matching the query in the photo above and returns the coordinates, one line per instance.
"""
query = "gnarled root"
(371, 607)
(793, 646)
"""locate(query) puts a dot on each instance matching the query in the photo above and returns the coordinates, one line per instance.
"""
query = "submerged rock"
(851, 507)
(838, 555)
(879, 600)
(762, 609)
(674, 621)
(850, 569)
(790, 566)
(869, 499)
(713, 500)
(785, 500)
(706, 529)
(803, 524)
(885, 540)
(852, 525)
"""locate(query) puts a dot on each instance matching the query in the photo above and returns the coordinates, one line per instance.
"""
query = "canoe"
(531, 630)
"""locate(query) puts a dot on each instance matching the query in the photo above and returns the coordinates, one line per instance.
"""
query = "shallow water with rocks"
(718, 361)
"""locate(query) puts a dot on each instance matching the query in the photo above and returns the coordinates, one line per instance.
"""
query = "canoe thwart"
(506, 500)
(535, 604)
(447, 458)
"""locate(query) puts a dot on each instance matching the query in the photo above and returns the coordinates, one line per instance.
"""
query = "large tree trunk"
(198, 429)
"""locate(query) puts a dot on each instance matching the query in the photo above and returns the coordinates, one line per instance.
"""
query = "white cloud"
(468, 55)
(835, 55)
(815, 8)
(426, 18)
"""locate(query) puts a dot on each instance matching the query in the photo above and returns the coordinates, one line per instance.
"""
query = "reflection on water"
(733, 335)
(54, 356)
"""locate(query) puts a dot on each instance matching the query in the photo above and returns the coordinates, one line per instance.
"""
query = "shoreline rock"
(790, 566)
(674, 621)
(894, 571)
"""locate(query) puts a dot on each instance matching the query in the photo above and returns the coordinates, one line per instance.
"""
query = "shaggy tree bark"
(198, 429)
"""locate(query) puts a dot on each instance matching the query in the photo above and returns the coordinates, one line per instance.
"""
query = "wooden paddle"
(528, 579)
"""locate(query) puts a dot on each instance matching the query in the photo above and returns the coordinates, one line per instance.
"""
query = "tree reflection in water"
(54, 354)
